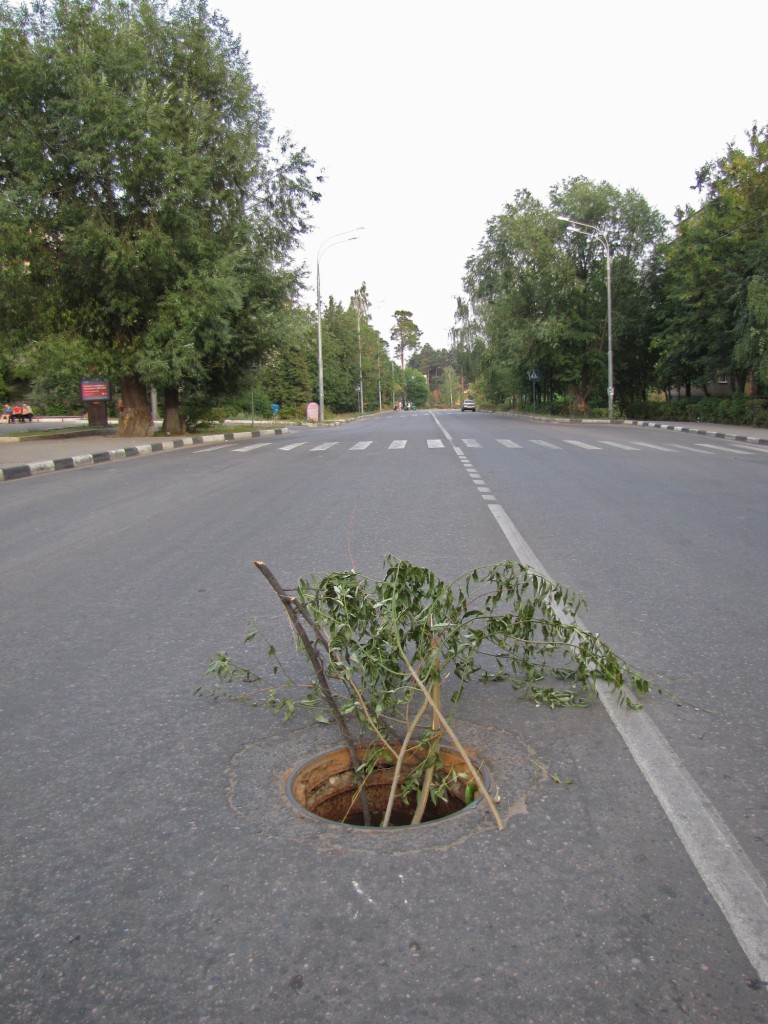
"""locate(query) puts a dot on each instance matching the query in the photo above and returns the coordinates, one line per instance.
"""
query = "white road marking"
(722, 448)
(290, 447)
(212, 448)
(470, 443)
(252, 447)
(722, 864)
(583, 444)
(398, 444)
(360, 446)
(435, 442)
(507, 443)
(545, 444)
(616, 444)
(762, 448)
(323, 447)
(692, 451)
(657, 447)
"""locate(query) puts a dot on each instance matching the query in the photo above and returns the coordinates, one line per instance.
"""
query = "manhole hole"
(327, 787)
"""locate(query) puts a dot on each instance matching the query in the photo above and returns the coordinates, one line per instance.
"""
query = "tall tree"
(538, 292)
(151, 207)
(716, 280)
(405, 334)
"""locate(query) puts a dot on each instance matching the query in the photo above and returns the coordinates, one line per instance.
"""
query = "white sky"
(426, 116)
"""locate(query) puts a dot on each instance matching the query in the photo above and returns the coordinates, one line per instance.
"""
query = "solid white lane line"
(724, 867)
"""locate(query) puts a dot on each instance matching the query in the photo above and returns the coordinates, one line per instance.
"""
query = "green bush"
(740, 410)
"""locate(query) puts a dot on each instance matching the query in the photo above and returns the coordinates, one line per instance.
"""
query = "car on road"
(469, 403)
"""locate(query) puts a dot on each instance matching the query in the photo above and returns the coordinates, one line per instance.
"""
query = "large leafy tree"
(716, 280)
(148, 211)
(537, 292)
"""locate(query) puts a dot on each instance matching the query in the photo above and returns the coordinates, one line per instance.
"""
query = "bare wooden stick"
(291, 607)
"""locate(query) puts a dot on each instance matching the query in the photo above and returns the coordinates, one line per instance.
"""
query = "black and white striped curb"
(687, 429)
(74, 461)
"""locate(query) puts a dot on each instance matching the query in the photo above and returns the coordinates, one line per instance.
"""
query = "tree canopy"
(149, 214)
(537, 291)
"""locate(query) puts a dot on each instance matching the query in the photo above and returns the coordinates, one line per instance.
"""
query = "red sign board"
(94, 390)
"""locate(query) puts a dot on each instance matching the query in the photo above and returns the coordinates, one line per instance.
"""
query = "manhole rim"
(479, 765)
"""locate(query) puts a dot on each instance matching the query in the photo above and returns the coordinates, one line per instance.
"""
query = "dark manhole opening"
(327, 787)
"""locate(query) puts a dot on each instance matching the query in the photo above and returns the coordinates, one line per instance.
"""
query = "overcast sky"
(426, 117)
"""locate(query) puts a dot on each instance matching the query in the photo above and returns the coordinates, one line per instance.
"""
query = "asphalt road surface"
(153, 871)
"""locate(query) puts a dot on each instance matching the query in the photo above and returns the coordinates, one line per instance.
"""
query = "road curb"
(74, 461)
(685, 429)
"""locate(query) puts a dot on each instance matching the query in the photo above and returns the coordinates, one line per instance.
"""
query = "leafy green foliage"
(714, 318)
(537, 294)
(149, 206)
(383, 650)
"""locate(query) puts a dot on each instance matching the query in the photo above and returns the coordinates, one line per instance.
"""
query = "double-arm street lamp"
(591, 229)
(343, 236)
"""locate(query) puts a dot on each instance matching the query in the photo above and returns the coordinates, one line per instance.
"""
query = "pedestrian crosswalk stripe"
(435, 442)
(583, 444)
(360, 446)
(507, 443)
(616, 444)
(545, 444)
(251, 447)
(398, 444)
(290, 447)
(723, 448)
(470, 443)
(657, 447)
(323, 447)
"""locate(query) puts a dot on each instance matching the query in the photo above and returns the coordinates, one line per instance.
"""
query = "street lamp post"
(591, 229)
(342, 236)
(358, 301)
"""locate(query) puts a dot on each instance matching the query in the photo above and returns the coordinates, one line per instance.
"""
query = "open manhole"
(327, 787)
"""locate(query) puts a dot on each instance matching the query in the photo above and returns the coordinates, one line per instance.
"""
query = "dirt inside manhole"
(327, 787)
